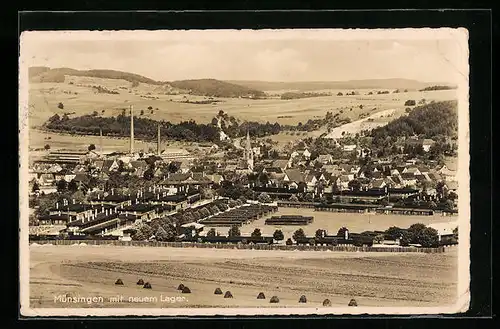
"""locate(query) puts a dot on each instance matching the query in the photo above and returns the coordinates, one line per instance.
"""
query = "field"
(78, 96)
(332, 221)
(373, 279)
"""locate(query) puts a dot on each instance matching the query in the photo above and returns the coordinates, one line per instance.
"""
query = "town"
(217, 192)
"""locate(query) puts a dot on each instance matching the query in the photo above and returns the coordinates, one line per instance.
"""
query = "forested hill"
(438, 119)
(199, 87)
(216, 88)
(46, 74)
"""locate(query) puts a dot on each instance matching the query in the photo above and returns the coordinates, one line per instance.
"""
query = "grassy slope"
(78, 96)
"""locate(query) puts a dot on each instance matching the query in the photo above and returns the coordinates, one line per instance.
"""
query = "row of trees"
(143, 127)
(415, 234)
(234, 231)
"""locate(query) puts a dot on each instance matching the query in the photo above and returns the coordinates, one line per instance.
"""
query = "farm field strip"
(371, 278)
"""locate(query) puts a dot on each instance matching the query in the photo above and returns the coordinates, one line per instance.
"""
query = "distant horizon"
(250, 80)
(423, 55)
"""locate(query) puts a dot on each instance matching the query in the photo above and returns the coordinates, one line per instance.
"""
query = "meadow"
(373, 279)
(78, 97)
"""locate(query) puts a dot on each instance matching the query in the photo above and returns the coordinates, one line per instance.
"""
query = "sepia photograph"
(244, 172)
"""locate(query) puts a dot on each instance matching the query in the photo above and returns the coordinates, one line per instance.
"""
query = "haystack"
(303, 299)
(180, 287)
(274, 299)
(327, 302)
(218, 291)
(353, 302)
(261, 296)
(119, 282)
(147, 285)
(228, 294)
(186, 290)
(140, 282)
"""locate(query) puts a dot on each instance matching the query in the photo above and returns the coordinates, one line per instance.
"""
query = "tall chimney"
(100, 140)
(131, 129)
(158, 143)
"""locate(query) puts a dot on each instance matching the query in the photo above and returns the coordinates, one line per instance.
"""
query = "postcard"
(244, 172)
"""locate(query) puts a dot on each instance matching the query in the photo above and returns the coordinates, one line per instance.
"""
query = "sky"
(427, 55)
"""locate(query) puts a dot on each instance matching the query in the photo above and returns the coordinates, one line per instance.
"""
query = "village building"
(283, 164)
(171, 154)
(447, 173)
(301, 153)
(445, 229)
(324, 159)
(65, 157)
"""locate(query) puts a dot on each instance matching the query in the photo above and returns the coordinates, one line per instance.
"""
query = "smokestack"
(100, 140)
(131, 129)
(158, 143)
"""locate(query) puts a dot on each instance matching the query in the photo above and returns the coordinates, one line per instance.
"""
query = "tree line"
(143, 127)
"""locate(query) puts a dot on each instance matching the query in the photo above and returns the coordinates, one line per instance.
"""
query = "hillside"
(322, 85)
(216, 88)
(200, 87)
(432, 120)
(45, 74)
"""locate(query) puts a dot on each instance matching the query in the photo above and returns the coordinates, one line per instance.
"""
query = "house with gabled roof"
(423, 169)
(377, 183)
(412, 170)
(324, 159)
(395, 171)
(310, 178)
(332, 169)
(434, 176)
(343, 182)
(421, 178)
(46, 179)
(283, 164)
(109, 166)
(408, 179)
(389, 181)
(302, 152)
(398, 181)
(82, 179)
(293, 175)
(54, 168)
(216, 178)
(97, 164)
(328, 177)
(65, 174)
(276, 170)
(447, 173)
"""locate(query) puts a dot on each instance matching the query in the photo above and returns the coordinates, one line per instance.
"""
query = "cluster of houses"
(340, 176)
(289, 174)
